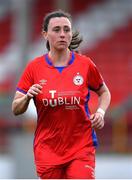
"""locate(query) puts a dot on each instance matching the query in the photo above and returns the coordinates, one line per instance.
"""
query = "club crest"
(78, 80)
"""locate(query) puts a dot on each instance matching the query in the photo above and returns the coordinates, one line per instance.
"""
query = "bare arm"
(104, 97)
(97, 119)
(21, 101)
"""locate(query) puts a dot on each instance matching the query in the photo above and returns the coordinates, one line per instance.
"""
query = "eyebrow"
(65, 26)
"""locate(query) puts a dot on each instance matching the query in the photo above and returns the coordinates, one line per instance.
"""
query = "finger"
(99, 124)
(95, 118)
(36, 90)
(95, 123)
(38, 86)
(92, 116)
(32, 92)
(29, 95)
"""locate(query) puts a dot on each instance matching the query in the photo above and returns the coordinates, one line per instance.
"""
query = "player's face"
(59, 33)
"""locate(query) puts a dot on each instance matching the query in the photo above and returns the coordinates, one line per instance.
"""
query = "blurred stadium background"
(106, 27)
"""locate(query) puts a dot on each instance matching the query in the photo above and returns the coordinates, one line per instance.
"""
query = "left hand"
(97, 120)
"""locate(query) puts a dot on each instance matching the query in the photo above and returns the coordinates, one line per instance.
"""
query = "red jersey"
(63, 127)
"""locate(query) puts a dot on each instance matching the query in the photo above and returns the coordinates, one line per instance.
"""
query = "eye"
(56, 29)
(66, 29)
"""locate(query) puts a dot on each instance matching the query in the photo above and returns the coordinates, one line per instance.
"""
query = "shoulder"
(36, 60)
(35, 63)
(83, 59)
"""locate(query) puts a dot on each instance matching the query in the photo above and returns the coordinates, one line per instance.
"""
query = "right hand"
(97, 120)
(34, 90)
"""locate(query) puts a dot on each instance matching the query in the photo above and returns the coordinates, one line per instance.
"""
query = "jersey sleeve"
(95, 80)
(26, 80)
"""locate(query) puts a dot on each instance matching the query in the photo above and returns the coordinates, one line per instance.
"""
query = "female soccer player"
(59, 83)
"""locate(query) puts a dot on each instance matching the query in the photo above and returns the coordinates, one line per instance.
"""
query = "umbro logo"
(43, 82)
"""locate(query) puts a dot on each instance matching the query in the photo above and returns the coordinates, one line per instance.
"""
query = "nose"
(62, 33)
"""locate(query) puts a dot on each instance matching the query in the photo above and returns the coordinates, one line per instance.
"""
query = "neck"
(59, 58)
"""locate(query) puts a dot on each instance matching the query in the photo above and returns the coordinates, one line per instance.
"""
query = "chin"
(61, 48)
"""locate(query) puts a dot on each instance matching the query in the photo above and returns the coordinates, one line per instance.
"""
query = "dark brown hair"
(76, 39)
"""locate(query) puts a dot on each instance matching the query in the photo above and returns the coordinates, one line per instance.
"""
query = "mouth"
(62, 42)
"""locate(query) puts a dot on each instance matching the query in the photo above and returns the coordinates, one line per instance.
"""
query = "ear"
(44, 34)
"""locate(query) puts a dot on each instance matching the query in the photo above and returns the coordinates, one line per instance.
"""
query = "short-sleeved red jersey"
(63, 126)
